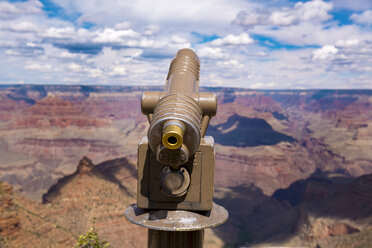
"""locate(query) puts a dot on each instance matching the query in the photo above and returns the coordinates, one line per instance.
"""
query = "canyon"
(285, 163)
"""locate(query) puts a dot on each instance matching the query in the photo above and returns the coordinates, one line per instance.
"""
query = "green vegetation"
(91, 240)
(1, 188)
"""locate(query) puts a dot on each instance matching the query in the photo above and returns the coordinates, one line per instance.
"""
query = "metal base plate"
(176, 220)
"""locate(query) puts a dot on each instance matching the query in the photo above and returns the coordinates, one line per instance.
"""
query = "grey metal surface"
(176, 220)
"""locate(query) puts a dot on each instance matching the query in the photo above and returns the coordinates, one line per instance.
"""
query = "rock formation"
(9, 220)
(265, 141)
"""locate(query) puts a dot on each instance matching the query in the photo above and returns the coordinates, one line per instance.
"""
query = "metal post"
(173, 239)
(176, 228)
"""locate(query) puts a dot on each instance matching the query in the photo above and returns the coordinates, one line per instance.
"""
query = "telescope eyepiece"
(172, 137)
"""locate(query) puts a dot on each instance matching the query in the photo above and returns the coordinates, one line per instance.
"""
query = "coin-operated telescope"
(176, 159)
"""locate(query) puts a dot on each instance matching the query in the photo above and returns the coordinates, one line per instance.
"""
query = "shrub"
(91, 240)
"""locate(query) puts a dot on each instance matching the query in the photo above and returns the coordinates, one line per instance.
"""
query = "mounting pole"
(176, 228)
(158, 239)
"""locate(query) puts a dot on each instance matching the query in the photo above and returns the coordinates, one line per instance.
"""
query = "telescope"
(176, 159)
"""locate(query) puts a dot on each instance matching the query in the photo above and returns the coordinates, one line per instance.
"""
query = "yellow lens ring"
(172, 137)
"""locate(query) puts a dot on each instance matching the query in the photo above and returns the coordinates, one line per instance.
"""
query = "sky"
(272, 44)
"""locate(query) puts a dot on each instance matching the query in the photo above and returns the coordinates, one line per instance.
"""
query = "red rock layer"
(54, 112)
(9, 221)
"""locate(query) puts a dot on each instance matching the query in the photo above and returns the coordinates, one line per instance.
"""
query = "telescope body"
(176, 160)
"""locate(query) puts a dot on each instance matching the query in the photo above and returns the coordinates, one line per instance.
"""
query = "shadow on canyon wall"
(242, 131)
(255, 218)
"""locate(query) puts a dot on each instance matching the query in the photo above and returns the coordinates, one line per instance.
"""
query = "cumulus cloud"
(310, 34)
(316, 10)
(233, 63)
(19, 26)
(199, 15)
(38, 67)
(25, 51)
(151, 29)
(363, 18)
(351, 56)
(136, 48)
(112, 35)
(92, 41)
(14, 10)
(118, 71)
(210, 52)
(250, 18)
(242, 39)
(122, 25)
(324, 52)
(74, 67)
(347, 43)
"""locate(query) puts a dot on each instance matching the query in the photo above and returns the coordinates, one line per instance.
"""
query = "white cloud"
(75, 67)
(67, 55)
(14, 10)
(151, 29)
(71, 80)
(22, 26)
(122, 25)
(363, 18)
(178, 40)
(210, 52)
(250, 18)
(109, 57)
(206, 16)
(62, 33)
(70, 36)
(231, 63)
(94, 72)
(242, 39)
(347, 43)
(112, 35)
(325, 52)
(38, 67)
(118, 71)
(136, 48)
(316, 10)
(314, 34)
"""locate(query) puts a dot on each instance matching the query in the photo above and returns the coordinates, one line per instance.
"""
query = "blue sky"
(277, 44)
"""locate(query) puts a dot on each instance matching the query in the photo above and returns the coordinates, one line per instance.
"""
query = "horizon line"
(215, 87)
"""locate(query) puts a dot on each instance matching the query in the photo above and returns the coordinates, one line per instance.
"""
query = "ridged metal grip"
(176, 119)
(176, 108)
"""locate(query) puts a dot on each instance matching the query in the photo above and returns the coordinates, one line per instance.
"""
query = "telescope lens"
(172, 140)
(172, 137)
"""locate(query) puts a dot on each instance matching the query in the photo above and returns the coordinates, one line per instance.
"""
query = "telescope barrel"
(183, 75)
(176, 115)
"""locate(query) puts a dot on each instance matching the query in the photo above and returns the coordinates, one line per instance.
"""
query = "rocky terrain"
(282, 156)
(324, 210)
(91, 193)
(49, 132)
(94, 195)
